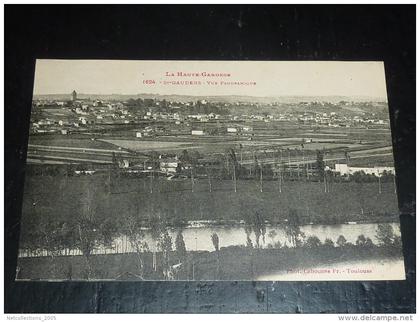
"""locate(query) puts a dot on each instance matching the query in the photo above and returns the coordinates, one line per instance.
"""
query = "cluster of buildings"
(345, 170)
(230, 129)
(332, 119)
(76, 114)
(49, 116)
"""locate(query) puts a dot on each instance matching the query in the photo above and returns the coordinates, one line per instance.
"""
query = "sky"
(271, 78)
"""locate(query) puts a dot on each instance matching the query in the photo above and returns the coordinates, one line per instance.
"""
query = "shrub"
(215, 241)
(369, 242)
(312, 242)
(278, 245)
(397, 243)
(385, 234)
(361, 240)
(341, 241)
(328, 243)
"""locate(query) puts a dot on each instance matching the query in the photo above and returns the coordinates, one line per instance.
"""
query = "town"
(286, 137)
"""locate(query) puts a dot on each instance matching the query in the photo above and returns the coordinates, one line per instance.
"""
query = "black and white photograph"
(208, 171)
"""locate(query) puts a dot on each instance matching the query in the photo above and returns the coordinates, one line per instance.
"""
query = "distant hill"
(222, 99)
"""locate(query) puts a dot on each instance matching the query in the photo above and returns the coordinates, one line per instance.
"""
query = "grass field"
(273, 135)
(143, 146)
(73, 140)
(63, 198)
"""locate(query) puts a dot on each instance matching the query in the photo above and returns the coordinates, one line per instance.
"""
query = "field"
(65, 198)
(143, 146)
(298, 143)
(74, 140)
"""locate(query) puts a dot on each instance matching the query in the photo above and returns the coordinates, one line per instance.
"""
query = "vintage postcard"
(209, 170)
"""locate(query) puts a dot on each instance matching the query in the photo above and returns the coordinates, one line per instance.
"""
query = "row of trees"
(256, 224)
(86, 234)
(229, 165)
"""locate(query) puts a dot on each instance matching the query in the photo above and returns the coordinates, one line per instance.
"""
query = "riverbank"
(230, 263)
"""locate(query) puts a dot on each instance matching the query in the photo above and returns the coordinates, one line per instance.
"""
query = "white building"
(123, 163)
(344, 169)
(232, 130)
(197, 132)
(247, 128)
(168, 166)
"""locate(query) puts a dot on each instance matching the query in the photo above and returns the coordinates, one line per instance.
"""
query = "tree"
(292, 228)
(397, 243)
(369, 242)
(155, 232)
(180, 248)
(255, 223)
(135, 236)
(259, 228)
(215, 241)
(248, 231)
(88, 227)
(267, 170)
(70, 169)
(161, 237)
(312, 242)
(361, 240)
(328, 242)
(154, 159)
(87, 240)
(232, 155)
(385, 234)
(249, 242)
(347, 156)
(272, 235)
(194, 156)
(320, 164)
(165, 244)
(114, 161)
(184, 158)
(51, 238)
(341, 241)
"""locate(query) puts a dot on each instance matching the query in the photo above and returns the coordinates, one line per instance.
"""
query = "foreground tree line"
(224, 263)
(166, 258)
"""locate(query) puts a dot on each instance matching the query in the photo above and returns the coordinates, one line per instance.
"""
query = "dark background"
(214, 33)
